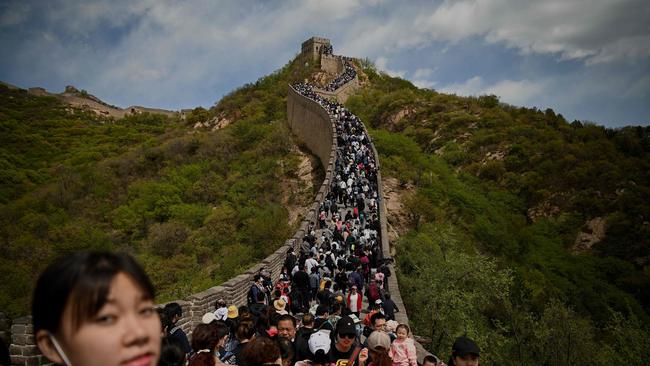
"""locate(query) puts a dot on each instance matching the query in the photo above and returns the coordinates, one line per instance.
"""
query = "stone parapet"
(341, 94)
(332, 64)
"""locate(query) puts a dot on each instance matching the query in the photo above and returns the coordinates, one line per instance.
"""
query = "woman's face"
(126, 330)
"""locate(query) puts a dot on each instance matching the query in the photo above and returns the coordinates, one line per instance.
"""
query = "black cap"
(346, 325)
(464, 346)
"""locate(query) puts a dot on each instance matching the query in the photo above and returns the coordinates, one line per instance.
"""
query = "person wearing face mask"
(96, 308)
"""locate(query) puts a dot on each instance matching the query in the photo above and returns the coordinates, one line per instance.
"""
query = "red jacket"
(359, 301)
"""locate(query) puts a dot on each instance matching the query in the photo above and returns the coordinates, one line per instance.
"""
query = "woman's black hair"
(171, 352)
(222, 329)
(169, 312)
(83, 280)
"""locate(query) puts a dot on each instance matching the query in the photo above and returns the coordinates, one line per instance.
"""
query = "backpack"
(250, 296)
(373, 292)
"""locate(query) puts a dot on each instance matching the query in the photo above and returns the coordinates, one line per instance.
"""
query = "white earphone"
(59, 350)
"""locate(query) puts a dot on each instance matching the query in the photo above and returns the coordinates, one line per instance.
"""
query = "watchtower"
(314, 47)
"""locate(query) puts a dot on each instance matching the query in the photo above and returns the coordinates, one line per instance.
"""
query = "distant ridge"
(82, 99)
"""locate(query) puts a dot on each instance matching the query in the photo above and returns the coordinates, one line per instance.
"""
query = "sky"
(586, 59)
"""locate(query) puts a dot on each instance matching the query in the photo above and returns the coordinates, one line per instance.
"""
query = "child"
(402, 351)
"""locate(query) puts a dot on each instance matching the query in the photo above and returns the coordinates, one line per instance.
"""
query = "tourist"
(402, 350)
(464, 352)
(96, 308)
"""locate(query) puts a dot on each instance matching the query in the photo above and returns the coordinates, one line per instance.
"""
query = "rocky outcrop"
(592, 233)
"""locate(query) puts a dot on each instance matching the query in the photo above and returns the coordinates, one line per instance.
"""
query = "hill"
(195, 205)
(526, 231)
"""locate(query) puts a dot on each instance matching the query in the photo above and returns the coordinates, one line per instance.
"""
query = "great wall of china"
(312, 124)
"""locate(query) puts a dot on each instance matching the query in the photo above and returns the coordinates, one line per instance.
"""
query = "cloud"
(13, 13)
(422, 78)
(382, 65)
(516, 92)
(422, 73)
(592, 30)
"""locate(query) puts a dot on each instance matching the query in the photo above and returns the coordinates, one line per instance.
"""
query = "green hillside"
(495, 197)
(195, 206)
(500, 194)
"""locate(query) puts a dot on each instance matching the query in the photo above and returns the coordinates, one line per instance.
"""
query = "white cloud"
(382, 65)
(593, 30)
(422, 78)
(517, 92)
(423, 83)
(422, 73)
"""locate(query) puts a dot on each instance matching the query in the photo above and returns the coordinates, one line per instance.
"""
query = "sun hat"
(208, 318)
(233, 312)
(279, 305)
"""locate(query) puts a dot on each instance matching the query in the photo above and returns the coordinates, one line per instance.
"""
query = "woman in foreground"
(96, 308)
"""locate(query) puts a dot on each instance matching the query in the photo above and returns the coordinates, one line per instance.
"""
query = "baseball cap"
(320, 341)
(345, 325)
(464, 346)
(379, 341)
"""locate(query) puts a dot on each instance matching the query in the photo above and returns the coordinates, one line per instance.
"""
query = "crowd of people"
(327, 49)
(343, 78)
(330, 306)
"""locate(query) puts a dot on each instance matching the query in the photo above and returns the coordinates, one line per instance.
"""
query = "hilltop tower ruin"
(314, 47)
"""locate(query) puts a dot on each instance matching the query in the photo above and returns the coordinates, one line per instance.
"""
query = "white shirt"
(353, 302)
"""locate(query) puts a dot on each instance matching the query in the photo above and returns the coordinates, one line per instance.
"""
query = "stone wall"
(23, 347)
(341, 94)
(331, 64)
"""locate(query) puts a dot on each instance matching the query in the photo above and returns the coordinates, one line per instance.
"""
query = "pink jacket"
(403, 353)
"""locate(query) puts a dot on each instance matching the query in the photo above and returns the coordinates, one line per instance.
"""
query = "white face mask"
(59, 350)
